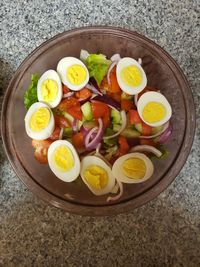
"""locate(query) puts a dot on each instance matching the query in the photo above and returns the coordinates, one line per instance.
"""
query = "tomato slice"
(41, 149)
(101, 110)
(149, 142)
(134, 117)
(56, 134)
(72, 106)
(146, 129)
(123, 145)
(76, 112)
(61, 121)
(65, 89)
(126, 104)
(83, 93)
(114, 86)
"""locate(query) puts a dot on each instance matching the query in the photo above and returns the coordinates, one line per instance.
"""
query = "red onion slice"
(110, 69)
(108, 100)
(140, 61)
(68, 94)
(123, 126)
(97, 139)
(121, 191)
(61, 134)
(136, 99)
(164, 136)
(147, 148)
(155, 135)
(115, 57)
(75, 125)
(93, 89)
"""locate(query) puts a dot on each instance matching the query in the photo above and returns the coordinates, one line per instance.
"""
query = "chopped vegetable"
(101, 110)
(116, 116)
(130, 133)
(30, 96)
(147, 148)
(123, 145)
(114, 86)
(41, 149)
(78, 140)
(97, 65)
(108, 100)
(87, 111)
(126, 104)
(83, 93)
(56, 134)
(134, 117)
(61, 121)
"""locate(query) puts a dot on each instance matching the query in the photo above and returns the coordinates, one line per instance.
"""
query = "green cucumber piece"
(67, 132)
(87, 111)
(116, 116)
(138, 127)
(68, 116)
(130, 133)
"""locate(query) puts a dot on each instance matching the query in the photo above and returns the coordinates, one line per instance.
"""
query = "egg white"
(94, 160)
(73, 173)
(45, 133)
(62, 67)
(125, 62)
(154, 97)
(118, 173)
(52, 75)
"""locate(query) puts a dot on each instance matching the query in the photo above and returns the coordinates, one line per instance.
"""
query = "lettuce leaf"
(30, 96)
(97, 65)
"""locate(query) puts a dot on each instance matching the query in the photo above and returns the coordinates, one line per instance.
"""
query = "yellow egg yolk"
(131, 75)
(49, 90)
(63, 158)
(76, 74)
(40, 119)
(154, 112)
(134, 168)
(96, 176)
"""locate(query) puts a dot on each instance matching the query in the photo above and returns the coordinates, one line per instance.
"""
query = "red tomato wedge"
(56, 133)
(65, 89)
(134, 117)
(126, 104)
(41, 149)
(101, 110)
(123, 145)
(61, 121)
(77, 140)
(72, 106)
(114, 86)
(83, 93)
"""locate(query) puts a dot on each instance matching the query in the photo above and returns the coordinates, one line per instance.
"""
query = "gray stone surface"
(165, 232)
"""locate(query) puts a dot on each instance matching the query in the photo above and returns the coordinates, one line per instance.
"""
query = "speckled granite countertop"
(165, 232)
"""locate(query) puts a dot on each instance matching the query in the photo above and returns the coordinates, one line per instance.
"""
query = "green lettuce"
(30, 96)
(97, 65)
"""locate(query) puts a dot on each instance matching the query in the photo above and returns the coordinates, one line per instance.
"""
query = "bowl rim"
(114, 208)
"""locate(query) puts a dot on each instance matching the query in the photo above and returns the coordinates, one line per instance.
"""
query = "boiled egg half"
(154, 109)
(133, 168)
(130, 76)
(97, 175)
(39, 121)
(49, 88)
(63, 160)
(74, 74)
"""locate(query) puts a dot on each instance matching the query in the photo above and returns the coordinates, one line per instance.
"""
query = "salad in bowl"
(97, 118)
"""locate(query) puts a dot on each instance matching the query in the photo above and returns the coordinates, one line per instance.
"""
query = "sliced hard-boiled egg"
(130, 76)
(63, 160)
(97, 175)
(154, 109)
(49, 88)
(39, 121)
(133, 168)
(73, 73)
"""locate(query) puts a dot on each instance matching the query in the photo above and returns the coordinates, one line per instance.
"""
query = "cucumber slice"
(130, 133)
(138, 127)
(87, 111)
(116, 116)
(68, 116)
(67, 132)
